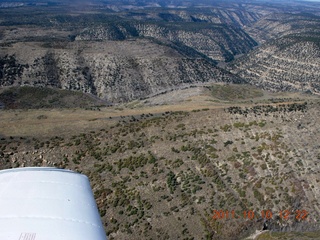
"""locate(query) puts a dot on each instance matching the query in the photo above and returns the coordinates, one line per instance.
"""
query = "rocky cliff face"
(218, 42)
(106, 50)
(231, 15)
(277, 25)
(288, 59)
(115, 71)
(289, 63)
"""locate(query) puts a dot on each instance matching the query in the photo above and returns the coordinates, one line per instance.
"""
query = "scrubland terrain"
(174, 163)
(192, 119)
(289, 63)
(121, 53)
(117, 71)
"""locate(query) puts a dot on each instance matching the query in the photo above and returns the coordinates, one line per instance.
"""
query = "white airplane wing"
(47, 204)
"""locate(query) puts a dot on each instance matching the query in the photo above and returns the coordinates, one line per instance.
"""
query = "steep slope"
(214, 31)
(115, 71)
(290, 63)
(217, 41)
(235, 15)
(277, 25)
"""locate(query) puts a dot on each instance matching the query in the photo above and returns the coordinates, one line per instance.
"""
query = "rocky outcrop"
(218, 42)
(230, 15)
(278, 25)
(287, 64)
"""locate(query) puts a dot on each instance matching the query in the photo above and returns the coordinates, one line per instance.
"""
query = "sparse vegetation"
(195, 138)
